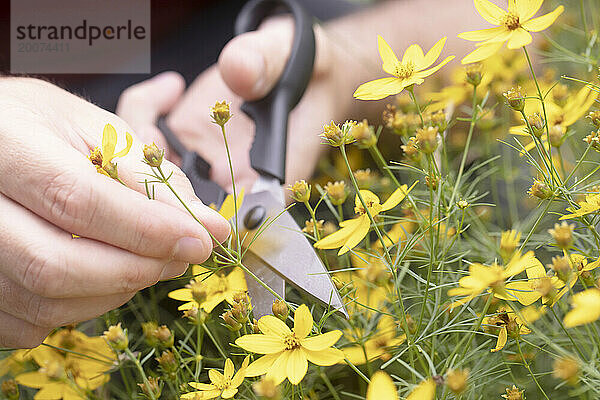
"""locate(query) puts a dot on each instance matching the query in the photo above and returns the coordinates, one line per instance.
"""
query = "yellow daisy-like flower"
(222, 385)
(507, 322)
(513, 26)
(218, 287)
(102, 158)
(382, 387)
(589, 205)
(227, 209)
(379, 345)
(354, 230)
(414, 67)
(482, 277)
(586, 308)
(287, 352)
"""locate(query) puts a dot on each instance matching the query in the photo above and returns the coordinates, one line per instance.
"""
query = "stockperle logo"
(77, 36)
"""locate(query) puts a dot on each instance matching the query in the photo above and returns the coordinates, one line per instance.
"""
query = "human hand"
(49, 190)
(248, 68)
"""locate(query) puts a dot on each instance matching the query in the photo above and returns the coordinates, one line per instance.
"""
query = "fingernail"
(174, 269)
(190, 249)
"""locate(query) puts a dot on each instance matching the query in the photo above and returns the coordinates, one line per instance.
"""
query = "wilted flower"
(220, 113)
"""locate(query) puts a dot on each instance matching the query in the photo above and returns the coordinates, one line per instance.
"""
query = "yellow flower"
(382, 387)
(354, 230)
(526, 291)
(589, 205)
(102, 158)
(513, 28)
(586, 308)
(579, 266)
(414, 67)
(69, 375)
(559, 116)
(287, 352)
(379, 345)
(219, 287)
(482, 277)
(222, 385)
(508, 323)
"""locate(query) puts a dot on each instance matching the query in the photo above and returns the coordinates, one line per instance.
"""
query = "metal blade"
(283, 248)
(262, 299)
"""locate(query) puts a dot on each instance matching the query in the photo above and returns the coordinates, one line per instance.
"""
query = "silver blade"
(262, 299)
(286, 252)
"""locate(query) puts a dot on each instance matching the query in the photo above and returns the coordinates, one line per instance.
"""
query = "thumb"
(143, 103)
(251, 63)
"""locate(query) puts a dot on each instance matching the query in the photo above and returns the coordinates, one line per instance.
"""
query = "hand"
(248, 68)
(50, 190)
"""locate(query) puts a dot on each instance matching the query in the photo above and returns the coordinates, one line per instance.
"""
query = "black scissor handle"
(270, 114)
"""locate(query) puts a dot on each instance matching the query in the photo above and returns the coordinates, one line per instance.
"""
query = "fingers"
(17, 334)
(48, 262)
(141, 104)
(50, 313)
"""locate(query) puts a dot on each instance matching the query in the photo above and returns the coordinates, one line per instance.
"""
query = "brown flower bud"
(152, 389)
(540, 190)
(515, 99)
(153, 155)
(473, 74)
(230, 322)
(280, 309)
(220, 113)
(167, 361)
(537, 124)
(300, 191)
(10, 389)
(562, 234)
(427, 139)
(116, 337)
(364, 135)
(594, 117)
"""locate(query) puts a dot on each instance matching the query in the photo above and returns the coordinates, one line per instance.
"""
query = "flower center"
(291, 342)
(511, 21)
(225, 384)
(405, 71)
(361, 210)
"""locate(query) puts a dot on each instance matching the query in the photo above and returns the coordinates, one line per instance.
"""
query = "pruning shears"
(276, 251)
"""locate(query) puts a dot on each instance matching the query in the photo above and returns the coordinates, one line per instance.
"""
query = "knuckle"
(32, 336)
(135, 278)
(133, 95)
(43, 275)
(68, 201)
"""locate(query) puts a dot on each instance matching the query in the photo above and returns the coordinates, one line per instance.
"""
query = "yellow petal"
(502, 338)
(228, 370)
(357, 235)
(339, 237)
(227, 209)
(368, 197)
(482, 52)
(261, 344)
(389, 59)
(202, 386)
(303, 322)
(109, 142)
(325, 357)
(527, 9)
(519, 38)
(278, 371)
(127, 147)
(297, 365)
(396, 197)
(33, 379)
(482, 34)
(414, 54)
(181, 295)
(490, 12)
(543, 22)
(228, 393)
(271, 325)
(241, 374)
(434, 53)
(522, 291)
(55, 390)
(425, 73)
(262, 365)
(321, 342)
(425, 391)
(586, 308)
(356, 355)
(381, 387)
(380, 88)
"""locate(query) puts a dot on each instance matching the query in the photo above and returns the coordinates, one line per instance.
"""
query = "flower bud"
(220, 113)
(594, 116)
(10, 389)
(411, 150)
(427, 139)
(152, 389)
(557, 135)
(561, 267)
(364, 178)
(537, 124)
(280, 309)
(309, 226)
(199, 291)
(267, 389)
(337, 136)
(254, 326)
(456, 380)
(514, 393)
(515, 99)
(165, 336)
(562, 234)
(540, 190)
(462, 204)
(116, 337)
(230, 322)
(593, 139)
(167, 362)
(473, 74)
(153, 155)
(364, 135)
(337, 192)
(566, 369)
(300, 191)
(438, 120)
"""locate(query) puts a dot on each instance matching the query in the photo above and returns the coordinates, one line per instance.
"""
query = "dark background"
(186, 36)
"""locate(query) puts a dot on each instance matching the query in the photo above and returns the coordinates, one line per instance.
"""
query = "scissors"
(280, 253)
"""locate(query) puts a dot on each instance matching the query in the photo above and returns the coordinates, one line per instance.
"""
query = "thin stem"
(233, 185)
(140, 369)
(530, 372)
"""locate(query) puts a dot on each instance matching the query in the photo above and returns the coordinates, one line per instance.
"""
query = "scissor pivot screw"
(255, 217)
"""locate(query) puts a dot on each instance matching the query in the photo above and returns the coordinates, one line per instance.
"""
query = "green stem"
(141, 371)
(526, 364)
(233, 185)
